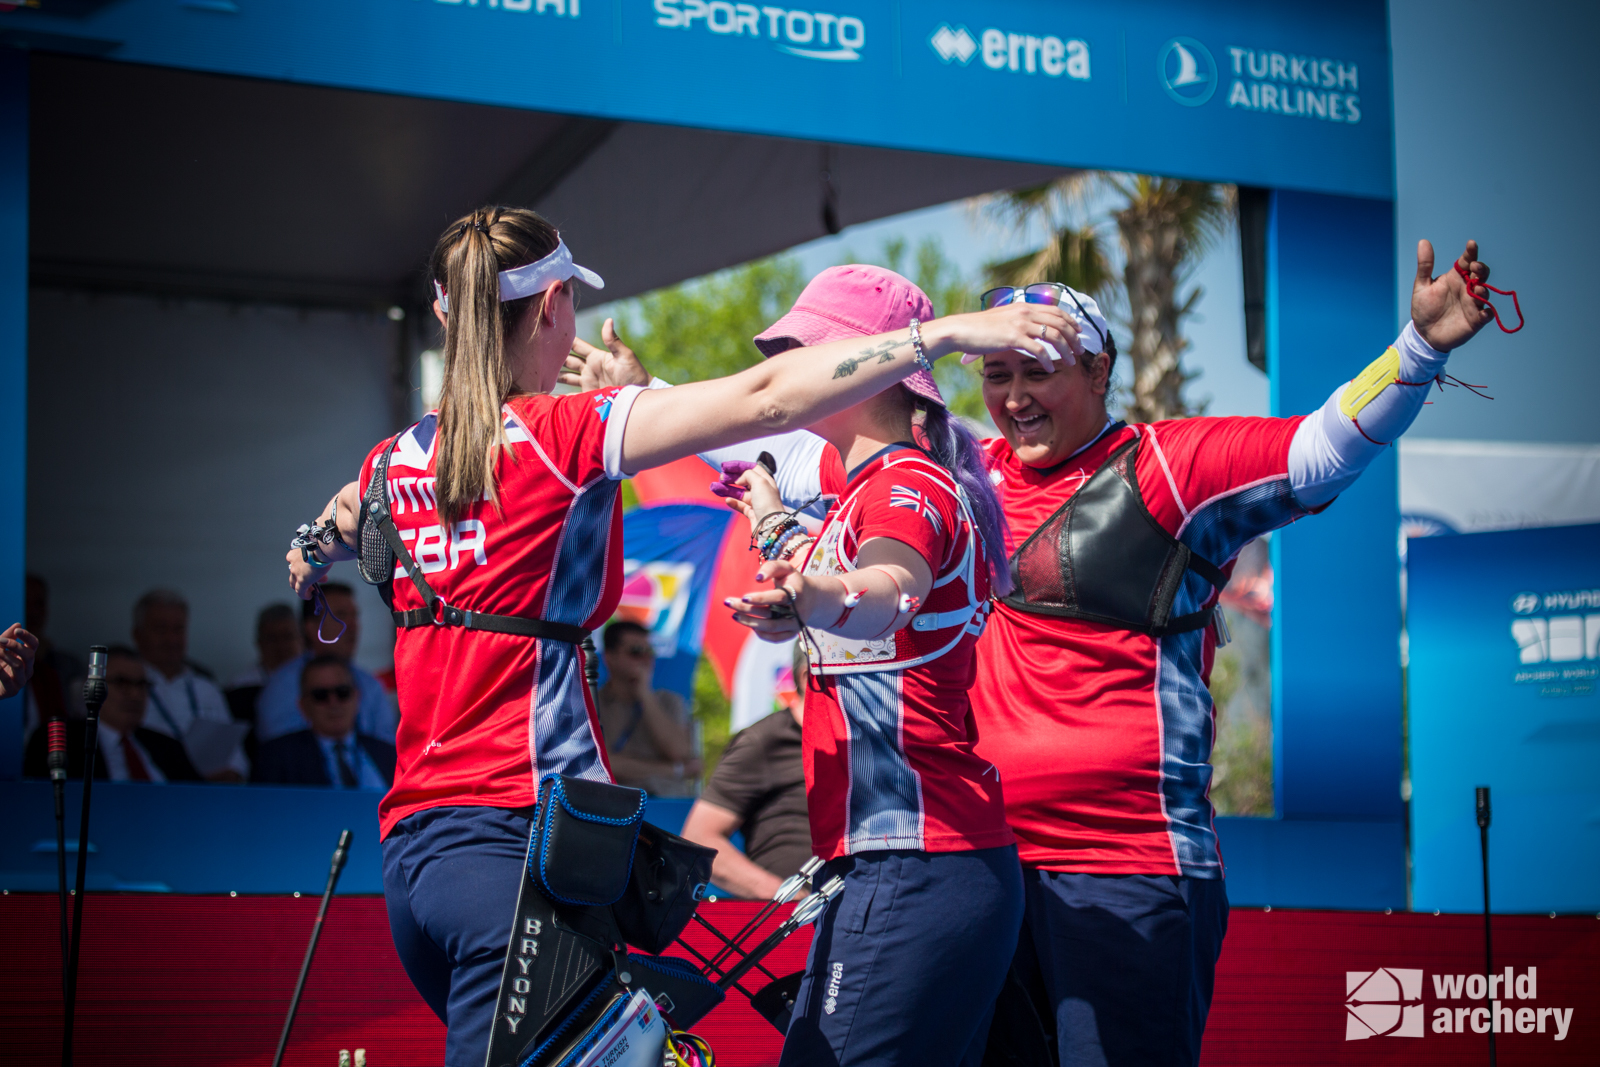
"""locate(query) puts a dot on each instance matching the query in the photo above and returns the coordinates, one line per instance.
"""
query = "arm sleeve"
(1334, 444)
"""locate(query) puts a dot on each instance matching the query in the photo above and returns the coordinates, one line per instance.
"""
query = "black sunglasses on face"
(325, 694)
(638, 651)
(141, 684)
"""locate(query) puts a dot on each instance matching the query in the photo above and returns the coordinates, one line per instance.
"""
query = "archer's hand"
(1042, 331)
(760, 496)
(755, 610)
(303, 577)
(17, 649)
(1443, 311)
(588, 367)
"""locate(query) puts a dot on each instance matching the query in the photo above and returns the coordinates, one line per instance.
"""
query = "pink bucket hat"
(853, 301)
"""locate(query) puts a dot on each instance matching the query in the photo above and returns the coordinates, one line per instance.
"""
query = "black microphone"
(1483, 807)
(94, 689)
(341, 852)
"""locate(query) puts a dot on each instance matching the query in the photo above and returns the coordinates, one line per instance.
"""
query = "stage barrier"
(175, 979)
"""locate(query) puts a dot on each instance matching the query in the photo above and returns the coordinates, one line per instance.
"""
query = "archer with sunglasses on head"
(330, 751)
(503, 508)
(1091, 691)
(648, 735)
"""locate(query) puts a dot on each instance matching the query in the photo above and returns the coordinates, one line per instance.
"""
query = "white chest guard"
(950, 612)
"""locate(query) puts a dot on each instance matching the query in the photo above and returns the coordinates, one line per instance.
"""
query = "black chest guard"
(1103, 557)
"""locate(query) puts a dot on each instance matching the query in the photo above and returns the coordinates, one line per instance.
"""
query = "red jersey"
(483, 716)
(1103, 735)
(889, 753)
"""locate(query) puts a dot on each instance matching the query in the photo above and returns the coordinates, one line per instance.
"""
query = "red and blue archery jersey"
(483, 716)
(1103, 735)
(889, 730)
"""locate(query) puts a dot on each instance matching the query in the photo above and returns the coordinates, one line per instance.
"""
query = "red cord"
(1441, 381)
(1487, 306)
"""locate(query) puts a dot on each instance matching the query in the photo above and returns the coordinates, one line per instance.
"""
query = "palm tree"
(1164, 226)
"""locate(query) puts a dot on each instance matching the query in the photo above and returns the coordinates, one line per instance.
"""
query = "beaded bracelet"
(779, 548)
(916, 347)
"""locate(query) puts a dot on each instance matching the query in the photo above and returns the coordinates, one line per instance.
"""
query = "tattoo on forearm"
(884, 352)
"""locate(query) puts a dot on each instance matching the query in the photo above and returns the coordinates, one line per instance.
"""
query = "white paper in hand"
(210, 745)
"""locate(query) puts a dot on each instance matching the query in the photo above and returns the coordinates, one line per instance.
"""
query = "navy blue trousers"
(906, 964)
(1124, 963)
(450, 879)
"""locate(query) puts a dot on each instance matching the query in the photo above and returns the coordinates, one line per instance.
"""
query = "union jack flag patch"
(902, 497)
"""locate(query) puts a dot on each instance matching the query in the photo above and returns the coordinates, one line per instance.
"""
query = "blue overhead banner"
(1504, 637)
(1287, 95)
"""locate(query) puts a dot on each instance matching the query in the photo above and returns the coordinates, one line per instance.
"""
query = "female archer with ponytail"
(507, 498)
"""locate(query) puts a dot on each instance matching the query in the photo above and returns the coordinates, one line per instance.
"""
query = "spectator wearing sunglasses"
(128, 750)
(331, 752)
(648, 738)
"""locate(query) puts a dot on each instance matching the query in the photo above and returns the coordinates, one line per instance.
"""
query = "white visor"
(535, 277)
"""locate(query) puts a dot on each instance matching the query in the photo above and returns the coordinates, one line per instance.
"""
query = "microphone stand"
(94, 695)
(1488, 945)
(340, 853)
(57, 728)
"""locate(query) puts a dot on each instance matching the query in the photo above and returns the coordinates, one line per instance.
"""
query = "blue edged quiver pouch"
(583, 839)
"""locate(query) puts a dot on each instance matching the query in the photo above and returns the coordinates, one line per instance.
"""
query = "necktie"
(137, 771)
(347, 775)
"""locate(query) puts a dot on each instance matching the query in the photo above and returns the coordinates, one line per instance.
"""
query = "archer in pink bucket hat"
(854, 300)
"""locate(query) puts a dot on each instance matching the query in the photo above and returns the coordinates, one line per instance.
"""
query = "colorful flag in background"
(670, 560)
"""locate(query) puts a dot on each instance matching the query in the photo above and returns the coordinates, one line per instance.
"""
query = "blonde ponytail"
(467, 263)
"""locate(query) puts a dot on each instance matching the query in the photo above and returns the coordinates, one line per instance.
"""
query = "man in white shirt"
(178, 696)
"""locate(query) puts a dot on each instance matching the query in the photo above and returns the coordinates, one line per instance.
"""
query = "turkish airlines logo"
(1386, 1002)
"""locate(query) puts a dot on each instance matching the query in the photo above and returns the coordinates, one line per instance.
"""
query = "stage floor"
(206, 979)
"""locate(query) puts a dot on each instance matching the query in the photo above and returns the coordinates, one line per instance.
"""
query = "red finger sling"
(1512, 293)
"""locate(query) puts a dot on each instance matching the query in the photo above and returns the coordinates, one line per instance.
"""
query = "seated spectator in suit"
(278, 706)
(128, 750)
(758, 788)
(647, 732)
(277, 642)
(179, 694)
(332, 752)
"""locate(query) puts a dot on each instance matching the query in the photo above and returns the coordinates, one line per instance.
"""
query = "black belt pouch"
(583, 839)
(670, 878)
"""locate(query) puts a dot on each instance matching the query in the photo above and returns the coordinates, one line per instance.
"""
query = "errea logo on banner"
(1018, 53)
(807, 34)
(1387, 1002)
